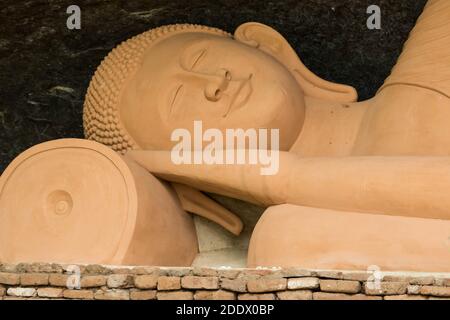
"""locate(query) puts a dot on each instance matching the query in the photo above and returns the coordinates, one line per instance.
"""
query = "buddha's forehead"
(181, 38)
(180, 44)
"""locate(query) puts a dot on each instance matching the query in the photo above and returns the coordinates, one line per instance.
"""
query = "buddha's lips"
(241, 96)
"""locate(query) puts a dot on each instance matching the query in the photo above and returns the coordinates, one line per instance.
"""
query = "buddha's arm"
(424, 61)
(404, 186)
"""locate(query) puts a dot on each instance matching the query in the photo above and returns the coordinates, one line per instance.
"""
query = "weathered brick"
(228, 273)
(24, 268)
(295, 295)
(413, 289)
(169, 283)
(175, 295)
(204, 272)
(214, 295)
(95, 269)
(276, 274)
(385, 288)
(54, 267)
(250, 296)
(8, 267)
(435, 291)
(14, 298)
(92, 281)
(146, 281)
(342, 296)
(405, 297)
(397, 278)
(120, 281)
(424, 281)
(10, 279)
(194, 282)
(340, 286)
(73, 269)
(329, 274)
(261, 284)
(45, 268)
(266, 285)
(356, 276)
(39, 267)
(50, 292)
(78, 294)
(59, 280)
(122, 271)
(34, 279)
(303, 283)
(21, 292)
(442, 282)
(28, 268)
(255, 273)
(236, 285)
(112, 295)
(294, 272)
(146, 271)
(176, 272)
(143, 295)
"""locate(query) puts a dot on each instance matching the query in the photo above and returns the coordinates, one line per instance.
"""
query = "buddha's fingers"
(196, 202)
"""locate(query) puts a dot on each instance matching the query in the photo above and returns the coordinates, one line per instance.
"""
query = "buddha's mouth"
(241, 96)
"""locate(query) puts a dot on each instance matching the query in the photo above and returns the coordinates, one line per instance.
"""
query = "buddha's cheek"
(281, 111)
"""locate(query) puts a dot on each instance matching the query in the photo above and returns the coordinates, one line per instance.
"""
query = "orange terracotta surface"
(74, 200)
(359, 183)
(290, 235)
(386, 156)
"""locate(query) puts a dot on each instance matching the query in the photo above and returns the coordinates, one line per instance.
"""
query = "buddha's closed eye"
(175, 97)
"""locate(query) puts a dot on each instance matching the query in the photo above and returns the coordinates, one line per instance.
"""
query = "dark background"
(45, 68)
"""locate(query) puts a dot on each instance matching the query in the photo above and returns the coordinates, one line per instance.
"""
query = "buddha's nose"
(217, 85)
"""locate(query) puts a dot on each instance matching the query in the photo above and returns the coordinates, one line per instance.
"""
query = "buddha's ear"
(270, 41)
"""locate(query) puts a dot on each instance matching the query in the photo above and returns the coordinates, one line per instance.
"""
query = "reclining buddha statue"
(359, 183)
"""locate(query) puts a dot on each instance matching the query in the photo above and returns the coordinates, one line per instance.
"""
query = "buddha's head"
(169, 77)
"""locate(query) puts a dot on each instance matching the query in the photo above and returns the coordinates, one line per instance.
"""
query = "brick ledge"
(57, 281)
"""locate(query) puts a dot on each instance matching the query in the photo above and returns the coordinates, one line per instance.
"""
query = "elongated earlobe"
(270, 41)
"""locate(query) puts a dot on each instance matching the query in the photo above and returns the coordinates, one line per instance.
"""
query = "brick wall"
(53, 281)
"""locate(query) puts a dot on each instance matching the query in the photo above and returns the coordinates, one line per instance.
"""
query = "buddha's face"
(222, 82)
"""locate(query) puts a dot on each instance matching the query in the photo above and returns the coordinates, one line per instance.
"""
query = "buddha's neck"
(399, 120)
(405, 120)
(330, 129)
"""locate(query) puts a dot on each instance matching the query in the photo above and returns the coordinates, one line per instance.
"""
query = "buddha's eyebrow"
(193, 53)
(198, 57)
